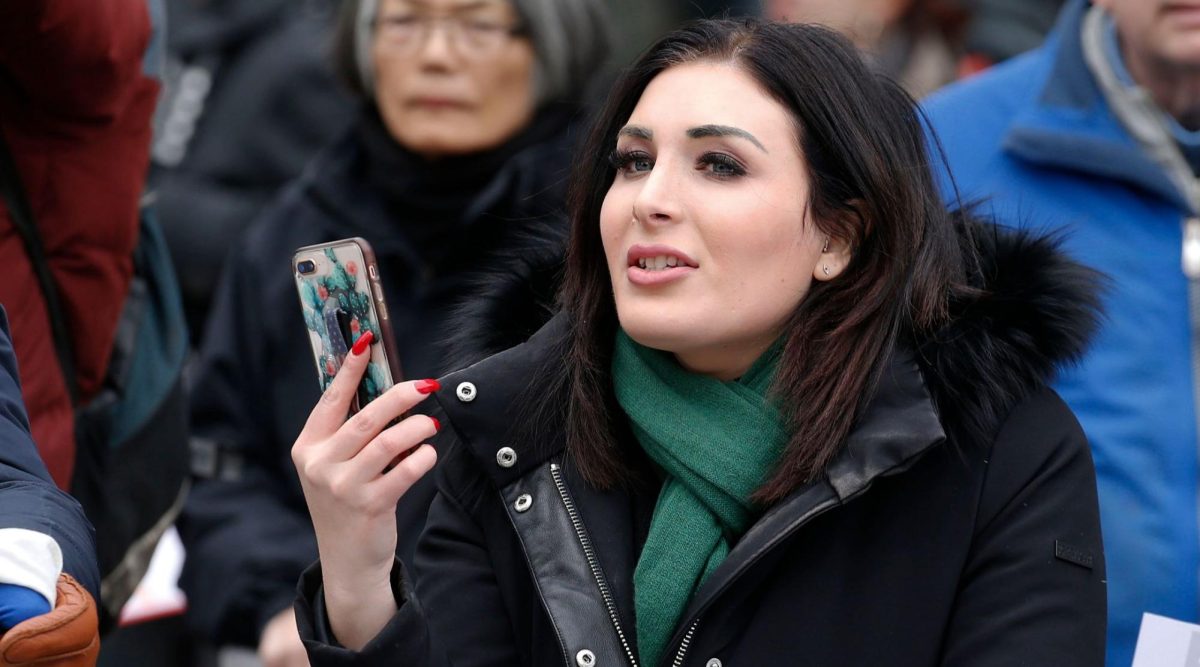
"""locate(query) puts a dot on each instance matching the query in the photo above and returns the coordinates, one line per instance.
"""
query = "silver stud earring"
(825, 269)
(825, 248)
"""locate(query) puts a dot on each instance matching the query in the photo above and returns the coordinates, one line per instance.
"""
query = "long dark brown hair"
(871, 186)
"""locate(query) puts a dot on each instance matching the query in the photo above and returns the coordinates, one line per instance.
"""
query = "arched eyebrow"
(700, 132)
(724, 131)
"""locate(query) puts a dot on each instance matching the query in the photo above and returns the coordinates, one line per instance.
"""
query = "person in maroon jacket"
(75, 110)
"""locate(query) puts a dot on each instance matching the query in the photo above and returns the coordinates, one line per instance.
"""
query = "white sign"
(1165, 642)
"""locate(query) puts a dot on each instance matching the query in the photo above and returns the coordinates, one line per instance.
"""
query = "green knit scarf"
(717, 442)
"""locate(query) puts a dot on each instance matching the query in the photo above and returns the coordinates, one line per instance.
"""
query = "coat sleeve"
(1036, 552)
(248, 536)
(28, 499)
(438, 623)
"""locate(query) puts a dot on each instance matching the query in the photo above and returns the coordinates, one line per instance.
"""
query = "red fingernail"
(428, 386)
(437, 425)
(363, 342)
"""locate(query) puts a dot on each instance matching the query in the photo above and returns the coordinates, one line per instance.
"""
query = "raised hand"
(354, 471)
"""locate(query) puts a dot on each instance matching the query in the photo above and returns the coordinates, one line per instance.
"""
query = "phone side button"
(382, 312)
(373, 272)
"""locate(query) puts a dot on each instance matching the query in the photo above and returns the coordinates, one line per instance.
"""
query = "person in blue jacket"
(43, 531)
(1097, 133)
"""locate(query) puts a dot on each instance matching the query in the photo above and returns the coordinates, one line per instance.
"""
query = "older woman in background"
(454, 172)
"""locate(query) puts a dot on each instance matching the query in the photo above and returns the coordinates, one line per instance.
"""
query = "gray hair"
(571, 39)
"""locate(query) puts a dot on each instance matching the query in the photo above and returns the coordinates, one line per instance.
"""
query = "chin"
(1184, 50)
(659, 333)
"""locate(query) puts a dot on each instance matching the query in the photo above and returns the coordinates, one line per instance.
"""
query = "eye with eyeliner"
(627, 161)
(720, 165)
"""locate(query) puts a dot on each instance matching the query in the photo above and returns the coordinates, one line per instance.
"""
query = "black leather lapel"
(553, 536)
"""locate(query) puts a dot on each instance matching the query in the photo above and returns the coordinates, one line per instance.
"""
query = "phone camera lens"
(306, 267)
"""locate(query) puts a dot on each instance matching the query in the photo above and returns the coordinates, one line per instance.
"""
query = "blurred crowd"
(223, 135)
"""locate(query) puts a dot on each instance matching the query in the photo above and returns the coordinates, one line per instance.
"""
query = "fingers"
(397, 481)
(330, 412)
(280, 645)
(392, 444)
(372, 419)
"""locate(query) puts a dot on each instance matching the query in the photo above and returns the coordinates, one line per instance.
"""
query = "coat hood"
(1034, 310)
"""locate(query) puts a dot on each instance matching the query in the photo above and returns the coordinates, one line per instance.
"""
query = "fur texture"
(514, 296)
(1035, 310)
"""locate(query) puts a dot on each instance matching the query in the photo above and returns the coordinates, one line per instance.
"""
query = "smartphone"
(342, 299)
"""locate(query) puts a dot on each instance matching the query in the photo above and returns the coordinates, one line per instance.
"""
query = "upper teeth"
(658, 263)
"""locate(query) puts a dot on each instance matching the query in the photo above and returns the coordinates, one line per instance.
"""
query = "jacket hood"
(1034, 310)
(515, 296)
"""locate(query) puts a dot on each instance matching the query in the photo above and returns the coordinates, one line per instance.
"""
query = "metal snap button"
(714, 662)
(585, 658)
(524, 502)
(466, 392)
(506, 457)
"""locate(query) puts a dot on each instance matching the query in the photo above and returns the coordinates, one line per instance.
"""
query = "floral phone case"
(341, 298)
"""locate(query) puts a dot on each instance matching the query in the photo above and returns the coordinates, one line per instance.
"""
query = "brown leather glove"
(68, 636)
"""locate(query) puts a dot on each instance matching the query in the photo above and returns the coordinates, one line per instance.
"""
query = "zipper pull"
(1191, 248)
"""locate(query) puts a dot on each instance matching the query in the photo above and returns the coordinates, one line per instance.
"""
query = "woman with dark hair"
(793, 412)
(455, 171)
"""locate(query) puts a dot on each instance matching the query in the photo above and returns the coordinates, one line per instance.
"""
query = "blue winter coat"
(28, 499)
(1036, 136)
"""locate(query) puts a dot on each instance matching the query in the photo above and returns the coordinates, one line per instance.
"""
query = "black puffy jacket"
(957, 526)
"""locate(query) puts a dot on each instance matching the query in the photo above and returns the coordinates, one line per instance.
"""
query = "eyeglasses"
(475, 37)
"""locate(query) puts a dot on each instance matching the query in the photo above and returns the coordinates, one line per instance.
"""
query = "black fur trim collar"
(1036, 310)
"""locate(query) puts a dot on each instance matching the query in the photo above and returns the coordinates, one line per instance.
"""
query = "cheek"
(765, 267)
(506, 91)
(390, 73)
(612, 223)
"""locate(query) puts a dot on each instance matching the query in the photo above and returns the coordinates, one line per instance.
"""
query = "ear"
(833, 260)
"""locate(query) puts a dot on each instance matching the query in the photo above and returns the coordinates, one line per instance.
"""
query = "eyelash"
(621, 161)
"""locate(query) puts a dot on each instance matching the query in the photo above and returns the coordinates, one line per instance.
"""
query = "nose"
(659, 199)
(435, 48)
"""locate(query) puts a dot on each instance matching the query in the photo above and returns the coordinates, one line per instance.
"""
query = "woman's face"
(705, 227)
(450, 78)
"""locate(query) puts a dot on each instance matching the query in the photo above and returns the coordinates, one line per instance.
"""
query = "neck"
(726, 363)
(1175, 89)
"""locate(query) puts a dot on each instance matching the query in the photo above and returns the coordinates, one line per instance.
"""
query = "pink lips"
(649, 278)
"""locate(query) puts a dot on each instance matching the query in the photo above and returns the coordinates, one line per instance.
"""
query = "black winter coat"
(958, 525)
(249, 98)
(245, 525)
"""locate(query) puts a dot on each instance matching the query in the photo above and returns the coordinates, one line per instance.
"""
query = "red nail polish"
(363, 342)
(428, 386)
(437, 425)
